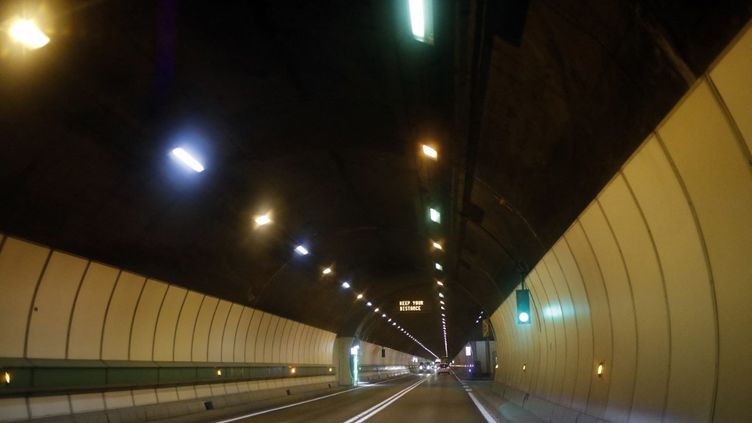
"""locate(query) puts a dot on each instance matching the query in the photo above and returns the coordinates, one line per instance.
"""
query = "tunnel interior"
(361, 183)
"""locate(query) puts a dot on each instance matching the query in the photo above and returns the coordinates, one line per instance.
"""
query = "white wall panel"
(708, 156)
(144, 396)
(229, 338)
(186, 325)
(21, 265)
(167, 395)
(297, 328)
(186, 392)
(87, 322)
(145, 320)
(669, 218)
(164, 336)
(286, 343)
(117, 325)
(201, 329)
(217, 330)
(260, 339)
(52, 305)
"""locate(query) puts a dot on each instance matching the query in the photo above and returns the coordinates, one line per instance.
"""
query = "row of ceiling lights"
(187, 159)
(435, 216)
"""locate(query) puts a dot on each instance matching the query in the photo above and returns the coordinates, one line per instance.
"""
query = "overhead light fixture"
(263, 219)
(443, 315)
(441, 295)
(368, 304)
(436, 245)
(300, 249)
(326, 270)
(345, 285)
(435, 215)
(376, 310)
(438, 266)
(442, 307)
(430, 152)
(394, 323)
(360, 296)
(441, 302)
(439, 283)
(390, 319)
(26, 32)
(188, 160)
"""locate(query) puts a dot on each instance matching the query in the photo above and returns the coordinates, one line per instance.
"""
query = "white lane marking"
(486, 415)
(383, 404)
(258, 413)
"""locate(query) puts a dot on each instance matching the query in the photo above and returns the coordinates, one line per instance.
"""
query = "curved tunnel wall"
(653, 279)
(64, 307)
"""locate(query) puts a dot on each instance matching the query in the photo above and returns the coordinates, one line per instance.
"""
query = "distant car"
(425, 368)
(443, 368)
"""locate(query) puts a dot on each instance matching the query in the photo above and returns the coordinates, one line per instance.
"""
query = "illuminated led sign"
(410, 305)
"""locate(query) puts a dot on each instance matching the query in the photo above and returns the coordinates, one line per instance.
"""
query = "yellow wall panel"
(183, 348)
(14, 409)
(718, 177)
(620, 371)
(21, 265)
(692, 342)
(144, 396)
(52, 306)
(650, 300)
(252, 336)
(217, 330)
(86, 325)
(260, 338)
(145, 320)
(49, 406)
(164, 336)
(230, 332)
(201, 329)
(731, 76)
(118, 399)
(601, 317)
(269, 338)
(83, 403)
(297, 327)
(285, 355)
(241, 334)
(117, 325)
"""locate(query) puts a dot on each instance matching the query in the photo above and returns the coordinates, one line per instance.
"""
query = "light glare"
(436, 245)
(360, 296)
(188, 160)
(435, 215)
(327, 270)
(303, 251)
(524, 317)
(263, 219)
(27, 33)
(439, 283)
(438, 266)
(430, 152)
(345, 285)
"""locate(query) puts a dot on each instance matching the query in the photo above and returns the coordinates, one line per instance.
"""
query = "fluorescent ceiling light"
(376, 310)
(441, 295)
(435, 215)
(326, 270)
(369, 304)
(188, 160)
(360, 296)
(345, 285)
(439, 283)
(303, 251)
(436, 245)
(263, 219)
(430, 152)
(438, 266)
(28, 33)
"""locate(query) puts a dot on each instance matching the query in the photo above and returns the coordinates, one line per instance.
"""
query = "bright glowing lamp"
(26, 32)
(188, 160)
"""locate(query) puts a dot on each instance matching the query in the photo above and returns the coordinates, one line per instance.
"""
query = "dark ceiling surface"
(316, 110)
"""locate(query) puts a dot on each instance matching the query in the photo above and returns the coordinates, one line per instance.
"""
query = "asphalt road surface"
(406, 399)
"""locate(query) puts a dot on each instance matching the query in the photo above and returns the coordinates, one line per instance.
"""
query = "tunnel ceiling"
(316, 111)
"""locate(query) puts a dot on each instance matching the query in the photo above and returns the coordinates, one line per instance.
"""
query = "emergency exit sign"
(410, 305)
